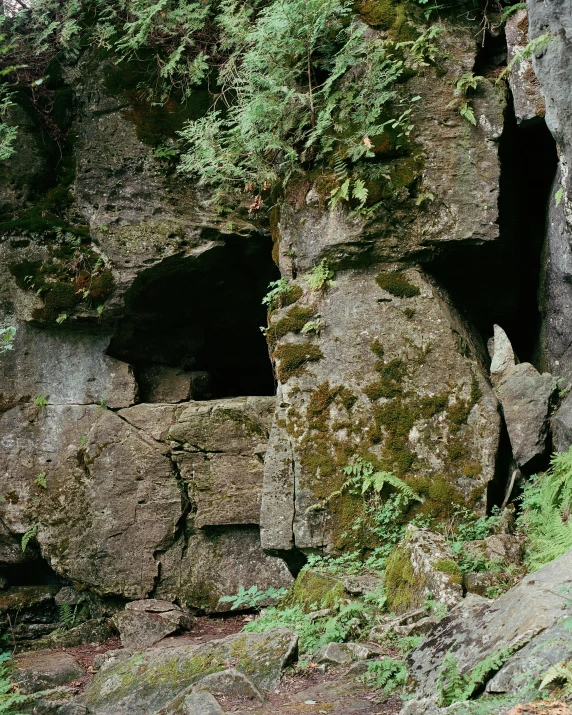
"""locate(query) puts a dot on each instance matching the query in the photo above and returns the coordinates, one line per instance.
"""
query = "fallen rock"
(483, 583)
(38, 671)
(477, 629)
(420, 565)
(505, 548)
(145, 622)
(230, 683)
(502, 355)
(201, 704)
(529, 665)
(345, 653)
(412, 623)
(148, 681)
(59, 706)
(95, 630)
(525, 396)
(32, 608)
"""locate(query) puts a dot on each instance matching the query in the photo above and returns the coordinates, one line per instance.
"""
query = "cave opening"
(192, 325)
(498, 282)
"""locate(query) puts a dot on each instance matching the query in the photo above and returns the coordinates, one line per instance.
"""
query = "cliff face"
(183, 456)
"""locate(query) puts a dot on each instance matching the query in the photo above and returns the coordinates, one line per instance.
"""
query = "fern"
(40, 481)
(547, 505)
(30, 533)
(364, 477)
(9, 696)
(560, 673)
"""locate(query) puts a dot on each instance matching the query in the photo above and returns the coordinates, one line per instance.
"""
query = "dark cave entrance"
(200, 318)
(498, 282)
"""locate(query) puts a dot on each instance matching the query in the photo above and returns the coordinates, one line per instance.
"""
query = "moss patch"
(313, 591)
(402, 585)
(388, 15)
(292, 359)
(397, 284)
(451, 568)
(293, 322)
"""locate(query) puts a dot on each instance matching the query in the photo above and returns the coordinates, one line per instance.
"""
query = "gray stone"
(529, 105)
(49, 706)
(94, 630)
(208, 565)
(201, 704)
(160, 383)
(334, 654)
(118, 689)
(441, 367)
(529, 665)
(224, 442)
(231, 683)
(525, 396)
(552, 66)
(426, 552)
(145, 622)
(477, 628)
(38, 671)
(502, 355)
(505, 548)
(109, 658)
(28, 611)
(561, 424)
(483, 583)
(68, 596)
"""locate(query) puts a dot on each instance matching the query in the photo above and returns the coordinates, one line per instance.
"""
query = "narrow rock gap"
(192, 327)
(498, 282)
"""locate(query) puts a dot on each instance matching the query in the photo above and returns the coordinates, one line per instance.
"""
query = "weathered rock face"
(506, 632)
(422, 565)
(529, 105)
(552, 64)
(169, 672)
(393, 373)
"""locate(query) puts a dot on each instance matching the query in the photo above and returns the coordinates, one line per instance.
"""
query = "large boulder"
(394, 372)
(478, 638)
(149, 681)
(144, 623)
(41, 670)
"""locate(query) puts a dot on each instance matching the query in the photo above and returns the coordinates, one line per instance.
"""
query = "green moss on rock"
(313, 591)
(397, 284)
(293, 322)
(401, 583)
(292, 358)
(451, 568)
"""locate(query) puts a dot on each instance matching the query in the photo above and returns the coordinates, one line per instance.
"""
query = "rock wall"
(140, 302)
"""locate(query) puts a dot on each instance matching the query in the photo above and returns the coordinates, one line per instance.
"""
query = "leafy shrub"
(7, 336)
(320, 276)
(546, 507)
(386, 674)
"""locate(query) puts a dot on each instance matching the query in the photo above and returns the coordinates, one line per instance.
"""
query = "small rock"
(525, 396)
(498, 547)
(480, 583)
(333, 654)
(111, 657)
(148, 621)
(420, 565)
(201, 704)
(38, 671)
(322, 613)
(502, 355)
(230, 683)
(363, 651)
(69, 596)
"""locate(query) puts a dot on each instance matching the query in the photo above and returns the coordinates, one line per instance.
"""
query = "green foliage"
(313, 326)
(253, 597)
(545, 516)
(326, 93)
(8, 133)
(467, 526)
(40, 481)
(455, 687)
(363, 478)
(558, 196)
(559, 675)
(463, 86)
(41, 401)
(537, 45)
(321, 276)
(7, 336)
(277, 290)
(30, 533)
(68, 616)
(386, 674)
(10, 696)
(511, 9)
